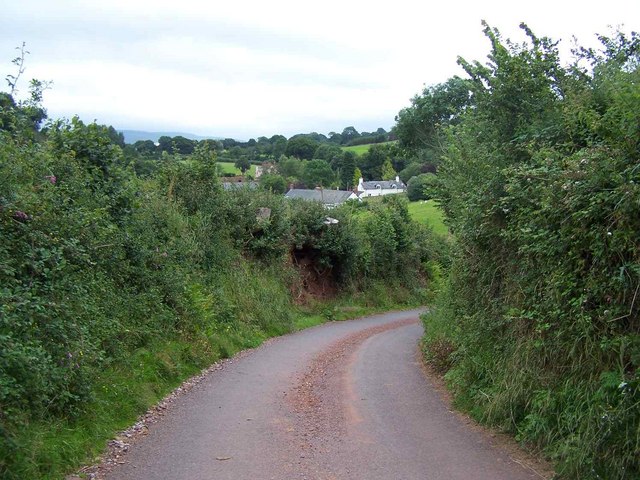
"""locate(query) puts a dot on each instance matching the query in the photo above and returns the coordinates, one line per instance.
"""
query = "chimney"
(397, 179)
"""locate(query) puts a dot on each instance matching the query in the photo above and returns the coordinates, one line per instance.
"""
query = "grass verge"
(53, 447)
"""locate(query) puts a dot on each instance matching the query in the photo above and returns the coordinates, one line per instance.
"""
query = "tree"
(318, 137)
(212, 145)
(421, 125)
(317, 173)
(183, 145)
(243, 164)
(290, 168)
(164, 144)
(25, 115)
(273, 183)
(387, 171)
(335, 138)
(349, 134)
(227, 143)
(420, 187)
(115, 136)
(348, 170)
(205, 152)
(278, 146)
(327, 152)
(301, 147)
(371, 162)
(357, 175)
(277, 138)
(409, 171)
(145, 147)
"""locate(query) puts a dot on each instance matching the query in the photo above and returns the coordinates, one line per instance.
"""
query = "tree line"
(304, 160)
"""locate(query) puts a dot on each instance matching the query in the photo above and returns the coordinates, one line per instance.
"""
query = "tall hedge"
(539, 328)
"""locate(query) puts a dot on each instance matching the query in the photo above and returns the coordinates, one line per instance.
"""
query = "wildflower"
(21, 216)
(52, 179)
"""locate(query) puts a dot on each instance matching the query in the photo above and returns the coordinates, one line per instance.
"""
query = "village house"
(378, 188)
(238, 182)
(329, 198)
(266, 167)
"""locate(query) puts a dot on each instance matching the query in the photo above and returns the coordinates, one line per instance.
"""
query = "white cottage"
(378, 188)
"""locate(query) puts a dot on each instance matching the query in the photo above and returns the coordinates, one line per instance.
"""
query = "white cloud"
(249, 68)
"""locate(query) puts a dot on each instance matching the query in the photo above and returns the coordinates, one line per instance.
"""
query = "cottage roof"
(329, 197)
(239, 185)
(383, 184)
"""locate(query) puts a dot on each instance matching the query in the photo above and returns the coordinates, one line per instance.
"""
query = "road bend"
(344, 400)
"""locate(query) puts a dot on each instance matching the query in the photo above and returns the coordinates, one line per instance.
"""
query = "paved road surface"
(345, 400)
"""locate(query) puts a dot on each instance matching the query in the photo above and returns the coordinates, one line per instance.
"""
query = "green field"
(429, 213)
(360, 149)
(229, 167)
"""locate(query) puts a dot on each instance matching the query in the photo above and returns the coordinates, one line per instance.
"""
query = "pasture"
(229, 167)
(360, 149)
(429, 213)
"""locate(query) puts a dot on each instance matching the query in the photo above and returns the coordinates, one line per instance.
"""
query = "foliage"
(22, 117)
(371, 162)
(420, 126)
(369, 139)
(387, 171)
(357, 175)
(290, 167)
(317, 173)
(348, 171)
(327, 152)
(540, 318)
(301, 147)
(420, 187)
(243, 164)
(273, 183)
(229, 169)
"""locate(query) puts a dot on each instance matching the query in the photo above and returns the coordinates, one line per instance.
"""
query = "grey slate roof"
(328, 197)
(239, 185)
(383, 184)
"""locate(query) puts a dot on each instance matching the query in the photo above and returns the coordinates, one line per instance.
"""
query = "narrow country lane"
(345, 400)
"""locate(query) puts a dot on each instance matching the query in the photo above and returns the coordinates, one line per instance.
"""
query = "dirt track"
(345, 400)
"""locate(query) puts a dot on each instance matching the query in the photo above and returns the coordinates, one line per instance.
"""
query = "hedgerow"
(538, 326)
(114, 287)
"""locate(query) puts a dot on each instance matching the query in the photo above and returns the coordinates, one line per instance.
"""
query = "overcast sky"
(249, 68)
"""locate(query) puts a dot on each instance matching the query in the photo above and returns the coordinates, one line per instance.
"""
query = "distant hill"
(132, 136)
